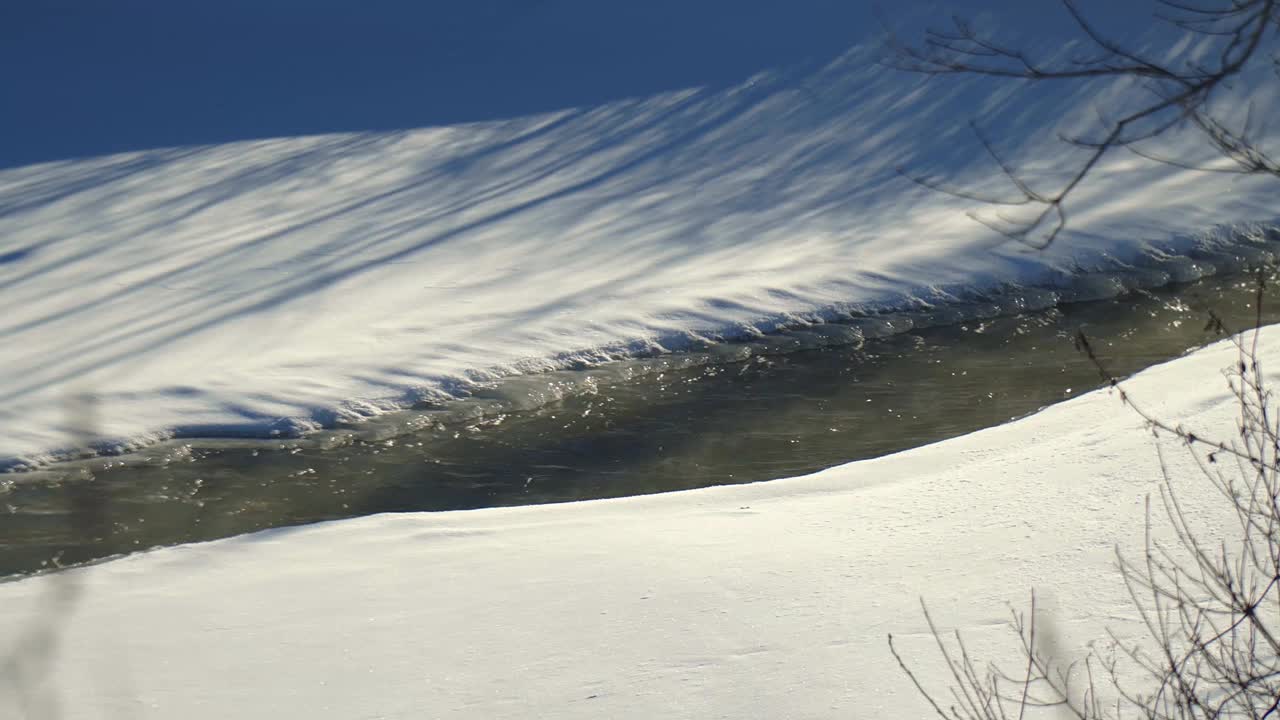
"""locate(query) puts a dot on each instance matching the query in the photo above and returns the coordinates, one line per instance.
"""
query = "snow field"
(765, 600)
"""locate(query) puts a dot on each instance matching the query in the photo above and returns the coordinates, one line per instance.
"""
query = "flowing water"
(656, 425)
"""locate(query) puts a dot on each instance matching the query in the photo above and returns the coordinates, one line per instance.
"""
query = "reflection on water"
(766, 417)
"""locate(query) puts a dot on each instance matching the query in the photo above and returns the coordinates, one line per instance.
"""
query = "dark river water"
(664, 424)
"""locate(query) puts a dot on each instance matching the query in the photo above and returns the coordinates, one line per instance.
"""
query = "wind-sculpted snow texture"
(579, 181)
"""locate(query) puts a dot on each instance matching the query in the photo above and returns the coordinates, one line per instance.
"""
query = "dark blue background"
(88, 77)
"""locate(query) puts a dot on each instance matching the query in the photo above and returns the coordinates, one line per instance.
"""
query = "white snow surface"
(765, 600)
(272, 287)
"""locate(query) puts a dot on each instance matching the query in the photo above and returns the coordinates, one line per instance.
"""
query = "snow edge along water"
(537, 381)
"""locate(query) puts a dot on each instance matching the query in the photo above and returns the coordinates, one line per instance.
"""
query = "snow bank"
(764, 600)
(274, 286)
(278, 286)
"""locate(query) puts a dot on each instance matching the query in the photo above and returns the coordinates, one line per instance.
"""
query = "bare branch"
(1182, 93)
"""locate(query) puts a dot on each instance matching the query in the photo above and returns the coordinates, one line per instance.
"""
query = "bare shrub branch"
(1174, 94)
(1210, 606)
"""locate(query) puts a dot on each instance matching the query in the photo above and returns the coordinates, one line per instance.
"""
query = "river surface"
(664, 424)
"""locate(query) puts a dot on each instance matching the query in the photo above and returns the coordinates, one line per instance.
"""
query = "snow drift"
(765, 600)
(273, 286)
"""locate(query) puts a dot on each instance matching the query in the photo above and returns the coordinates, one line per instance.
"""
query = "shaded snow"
(285, 284)
(274, 286)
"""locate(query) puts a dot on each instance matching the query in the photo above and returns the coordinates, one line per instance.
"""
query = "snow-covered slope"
(766, 600)
(260, 286)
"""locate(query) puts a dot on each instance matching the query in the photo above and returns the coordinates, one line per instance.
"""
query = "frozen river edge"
(768, 599)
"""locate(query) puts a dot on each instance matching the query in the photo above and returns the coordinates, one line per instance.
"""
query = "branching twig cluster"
(1210, 608)
(1234, 36)
(988, 693)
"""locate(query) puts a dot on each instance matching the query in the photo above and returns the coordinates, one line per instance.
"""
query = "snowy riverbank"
(764, 600)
